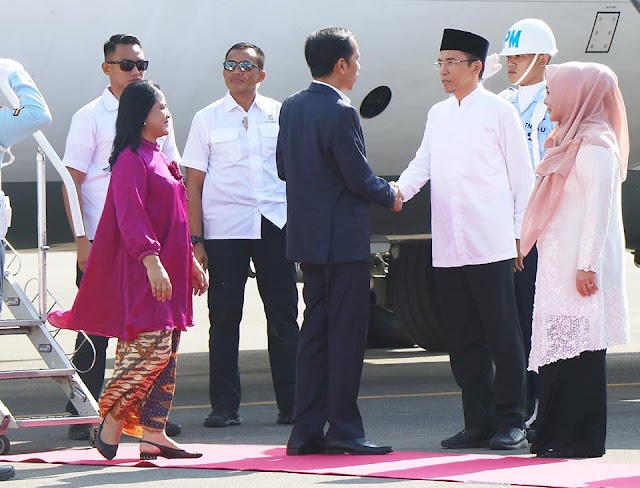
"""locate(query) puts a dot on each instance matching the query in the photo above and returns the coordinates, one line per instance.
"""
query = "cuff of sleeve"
(148, 252)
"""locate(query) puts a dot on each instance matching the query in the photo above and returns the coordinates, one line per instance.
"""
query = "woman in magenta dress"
(139, 279)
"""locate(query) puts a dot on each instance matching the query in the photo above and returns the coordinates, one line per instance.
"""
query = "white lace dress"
(585, 233)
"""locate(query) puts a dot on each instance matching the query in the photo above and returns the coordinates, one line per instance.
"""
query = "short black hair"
(325, 47)
(110, 46)
(241, 46)
(473, 58)
(136, 101)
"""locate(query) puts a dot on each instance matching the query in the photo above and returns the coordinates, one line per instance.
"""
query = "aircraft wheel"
(413, 293)
(5, 445)
(385, 329)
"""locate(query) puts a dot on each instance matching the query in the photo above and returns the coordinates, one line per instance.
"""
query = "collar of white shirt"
(342, 95)
(109, 101)
(229, 103)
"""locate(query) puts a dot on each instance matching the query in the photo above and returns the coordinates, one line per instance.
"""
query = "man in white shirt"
(475, 154)
(86, 156)
(237, 213)
(528, 46)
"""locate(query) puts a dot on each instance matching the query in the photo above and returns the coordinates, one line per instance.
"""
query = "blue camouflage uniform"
(16, 125)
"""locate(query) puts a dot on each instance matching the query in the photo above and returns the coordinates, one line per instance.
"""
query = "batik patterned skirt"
(141, 390)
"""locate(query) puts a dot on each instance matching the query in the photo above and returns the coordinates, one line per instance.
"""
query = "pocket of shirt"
(268, 139)
(225, 144)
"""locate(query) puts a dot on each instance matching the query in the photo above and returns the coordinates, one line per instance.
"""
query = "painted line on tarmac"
(373, 397)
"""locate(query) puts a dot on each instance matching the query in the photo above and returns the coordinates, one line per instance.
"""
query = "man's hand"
(199, 281)
(200, 255)
(83, 247)
(518, 262)
(161, 288)
(586, 283)
(398, 198)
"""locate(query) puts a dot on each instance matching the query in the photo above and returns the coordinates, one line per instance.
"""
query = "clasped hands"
(398, 198)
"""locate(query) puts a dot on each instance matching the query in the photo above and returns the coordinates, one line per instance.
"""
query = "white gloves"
(491, 66)
(8, 67)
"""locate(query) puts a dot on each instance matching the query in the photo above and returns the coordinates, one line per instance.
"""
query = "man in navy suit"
(321, 156)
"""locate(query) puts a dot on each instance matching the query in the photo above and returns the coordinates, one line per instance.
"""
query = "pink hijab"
(588, 106)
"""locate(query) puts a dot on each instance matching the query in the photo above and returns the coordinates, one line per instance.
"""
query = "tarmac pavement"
(408, 399)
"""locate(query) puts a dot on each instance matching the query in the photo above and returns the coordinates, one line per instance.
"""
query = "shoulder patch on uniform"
(16, 112)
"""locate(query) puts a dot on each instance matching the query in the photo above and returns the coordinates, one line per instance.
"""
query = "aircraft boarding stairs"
(29, 322)
(29, 317)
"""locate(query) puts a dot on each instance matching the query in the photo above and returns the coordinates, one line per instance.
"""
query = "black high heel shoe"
(108, 451)
(166, 452)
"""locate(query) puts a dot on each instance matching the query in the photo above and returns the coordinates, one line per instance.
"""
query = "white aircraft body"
(60, 44)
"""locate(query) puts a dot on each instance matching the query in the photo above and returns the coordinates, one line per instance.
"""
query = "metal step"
(18, 374)
(51, 420)
(16, 323)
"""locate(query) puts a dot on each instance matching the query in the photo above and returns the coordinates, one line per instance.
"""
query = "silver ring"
(590, 285)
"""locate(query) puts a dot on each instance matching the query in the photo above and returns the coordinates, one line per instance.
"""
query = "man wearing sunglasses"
(237, 213)
(86, 156)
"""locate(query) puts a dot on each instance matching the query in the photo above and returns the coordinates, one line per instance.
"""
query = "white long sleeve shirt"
(475, 154)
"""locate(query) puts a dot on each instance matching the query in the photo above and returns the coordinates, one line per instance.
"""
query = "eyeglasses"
(127, 64)
(230, 65)
(450, 63)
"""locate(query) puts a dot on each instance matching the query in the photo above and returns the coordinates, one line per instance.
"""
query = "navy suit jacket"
(321, 156)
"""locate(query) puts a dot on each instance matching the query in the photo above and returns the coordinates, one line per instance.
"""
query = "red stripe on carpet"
(479, 468)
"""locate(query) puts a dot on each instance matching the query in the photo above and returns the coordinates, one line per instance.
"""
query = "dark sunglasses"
(244, 65)
(127, 64)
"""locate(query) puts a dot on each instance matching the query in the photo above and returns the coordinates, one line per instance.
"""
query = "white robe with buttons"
(475, 154)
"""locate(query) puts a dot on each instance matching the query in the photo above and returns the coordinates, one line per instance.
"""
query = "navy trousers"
(331, 351)
(228, 270)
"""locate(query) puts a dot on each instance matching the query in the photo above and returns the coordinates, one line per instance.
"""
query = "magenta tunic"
(145, 213)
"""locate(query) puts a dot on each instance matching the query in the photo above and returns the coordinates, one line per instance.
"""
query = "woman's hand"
(199, 281)
(161, 288)
(586, 283)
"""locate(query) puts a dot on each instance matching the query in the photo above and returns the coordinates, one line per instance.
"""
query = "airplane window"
(375, 102)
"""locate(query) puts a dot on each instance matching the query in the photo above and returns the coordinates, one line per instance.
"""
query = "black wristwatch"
(196, 239)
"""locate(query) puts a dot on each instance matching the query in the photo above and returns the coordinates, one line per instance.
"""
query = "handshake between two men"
(398, 198)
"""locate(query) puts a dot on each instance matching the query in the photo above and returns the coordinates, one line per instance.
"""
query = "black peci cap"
(457, 40)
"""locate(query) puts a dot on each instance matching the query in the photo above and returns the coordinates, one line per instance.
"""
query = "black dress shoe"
(108, 451)
(167, 452)
(354, 446)
(467, 439)
(303, 448)
(6, 473)
(217, 419)
(568, 454)
(79, 432)
(509, 438)
(172, 429)
(284, 418)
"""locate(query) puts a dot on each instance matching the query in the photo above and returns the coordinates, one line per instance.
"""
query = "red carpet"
(479, 468)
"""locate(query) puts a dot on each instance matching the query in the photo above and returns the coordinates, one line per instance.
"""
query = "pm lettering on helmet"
(513, 38)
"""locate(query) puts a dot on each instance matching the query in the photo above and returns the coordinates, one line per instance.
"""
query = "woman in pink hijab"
(575, 215)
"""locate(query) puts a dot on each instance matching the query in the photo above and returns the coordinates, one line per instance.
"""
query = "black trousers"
(92, 377)
(276, 277)
(482, 330)
(525, 286)
(572, 415)
(331, 351)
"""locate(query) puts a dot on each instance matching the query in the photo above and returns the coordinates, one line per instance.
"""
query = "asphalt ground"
(408, 399)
